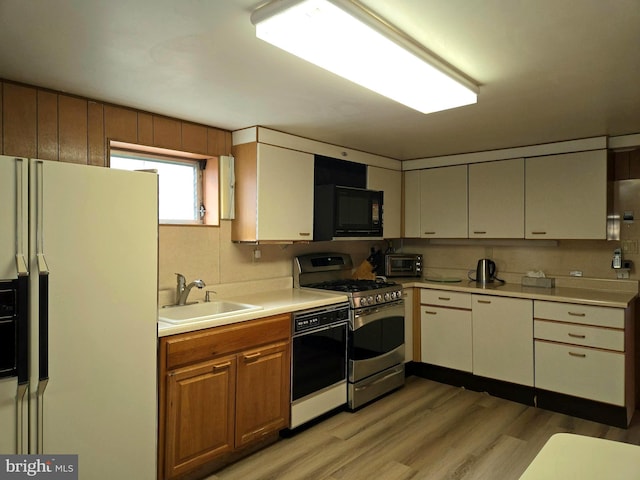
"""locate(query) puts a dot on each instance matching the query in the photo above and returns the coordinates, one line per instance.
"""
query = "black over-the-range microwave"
(347, 213)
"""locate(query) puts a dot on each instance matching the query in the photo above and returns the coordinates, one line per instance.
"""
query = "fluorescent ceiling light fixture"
(344, 38)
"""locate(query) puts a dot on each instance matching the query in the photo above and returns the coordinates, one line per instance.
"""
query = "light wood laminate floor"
(426, 430)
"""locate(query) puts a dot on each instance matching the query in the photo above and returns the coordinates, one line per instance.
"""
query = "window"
(179, 184)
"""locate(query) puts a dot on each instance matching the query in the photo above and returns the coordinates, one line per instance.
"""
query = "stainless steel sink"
(199, 312)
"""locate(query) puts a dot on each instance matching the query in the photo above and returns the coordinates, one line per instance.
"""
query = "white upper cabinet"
(390, 182)
(435, 203)
(411, 204)
(566, 196)
(285, 194)
(274, 194)
(443, 202)
(496, 199)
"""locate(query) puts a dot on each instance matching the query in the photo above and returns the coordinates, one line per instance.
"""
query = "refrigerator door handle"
(43, 349)
(21, 216)
(22, 360)
(43, 305)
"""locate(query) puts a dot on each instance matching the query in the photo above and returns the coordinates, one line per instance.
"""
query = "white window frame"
(197, 164)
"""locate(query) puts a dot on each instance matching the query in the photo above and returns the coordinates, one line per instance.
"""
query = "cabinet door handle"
(577, 314)
(304, 234)
(580, 355)
(575, 335)
(484, 301)
(221, 366)
(538, 233)
(252, 356)
(479, 233)
(446, 299)
(430, 312)
(429, 233)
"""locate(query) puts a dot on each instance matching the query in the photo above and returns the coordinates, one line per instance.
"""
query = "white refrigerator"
(78, 315)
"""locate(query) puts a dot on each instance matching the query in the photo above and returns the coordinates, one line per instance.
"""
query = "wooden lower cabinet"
(200, 414)
(262, 404)
(223, 391)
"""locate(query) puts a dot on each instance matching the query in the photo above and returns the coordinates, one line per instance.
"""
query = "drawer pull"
(575, 335)
(221, 366)
(446, 299)
(304, 234)
(479, 233)
(251, 357)
(580, 355)
(429, 312)
(577, 314)
(484, 301)
(429, 233)
(538, 233)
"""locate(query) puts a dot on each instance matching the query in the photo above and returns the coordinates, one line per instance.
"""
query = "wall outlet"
(629, 246)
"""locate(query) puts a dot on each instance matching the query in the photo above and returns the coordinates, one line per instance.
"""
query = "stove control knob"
(389, 296)
(379, 298)
(363, 301)
(370, 300)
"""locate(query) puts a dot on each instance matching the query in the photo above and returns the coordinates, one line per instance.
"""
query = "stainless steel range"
(376, 325)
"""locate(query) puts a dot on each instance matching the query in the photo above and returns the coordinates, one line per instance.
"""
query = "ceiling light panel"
(345, 40)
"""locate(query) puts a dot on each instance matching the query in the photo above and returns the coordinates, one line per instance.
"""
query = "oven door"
(376, 340)
(318, 360)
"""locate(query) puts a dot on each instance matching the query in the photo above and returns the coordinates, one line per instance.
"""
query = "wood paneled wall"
(41, 123)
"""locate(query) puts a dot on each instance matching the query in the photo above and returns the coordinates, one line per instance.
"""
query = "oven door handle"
(320, 329)
(368, 315)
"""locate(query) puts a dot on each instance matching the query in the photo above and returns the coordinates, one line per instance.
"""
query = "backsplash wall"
(593, 258)
(209, 254)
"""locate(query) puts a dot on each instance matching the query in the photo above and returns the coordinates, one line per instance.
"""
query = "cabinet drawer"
(575, 334)
(585, 314)
(445, 298)
(581, 372)
(187, 348)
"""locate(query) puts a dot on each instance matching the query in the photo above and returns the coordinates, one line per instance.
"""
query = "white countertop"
(272, 303)
(584, 296)
(567, 456)
(294, 299)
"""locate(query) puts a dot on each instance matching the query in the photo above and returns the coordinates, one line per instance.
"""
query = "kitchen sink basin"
(199, 312)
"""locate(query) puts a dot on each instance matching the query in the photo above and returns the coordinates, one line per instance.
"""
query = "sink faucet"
(182, 289)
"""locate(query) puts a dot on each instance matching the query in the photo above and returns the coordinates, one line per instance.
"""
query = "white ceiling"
(549, 70)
